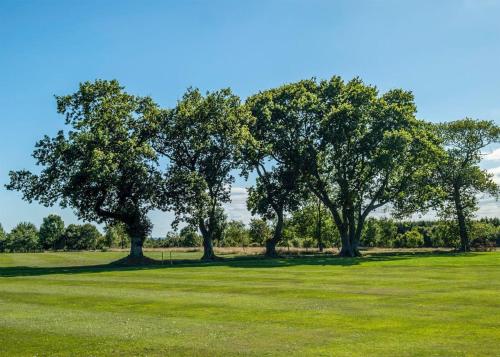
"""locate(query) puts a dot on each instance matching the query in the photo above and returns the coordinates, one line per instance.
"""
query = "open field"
(58, 304)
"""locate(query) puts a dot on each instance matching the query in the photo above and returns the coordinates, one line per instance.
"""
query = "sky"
(446, 52)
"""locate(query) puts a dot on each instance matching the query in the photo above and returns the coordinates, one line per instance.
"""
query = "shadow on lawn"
(252, 261)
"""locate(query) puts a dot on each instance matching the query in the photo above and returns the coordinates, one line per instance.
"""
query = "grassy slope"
(386, 305)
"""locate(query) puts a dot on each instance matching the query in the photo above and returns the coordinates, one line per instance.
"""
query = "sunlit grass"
(57, 304)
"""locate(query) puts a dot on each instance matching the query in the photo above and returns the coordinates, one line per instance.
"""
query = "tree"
(81, 237)
(259, 231)
(276, 192)
(51, 232)
(458, 173)
(201, 138)
(23, 238)
(235, 235)
(115, 235)
(3, 239)
(371, 233)
(277, 189)
(105, 168)
(356, 150)
(410, 239)
(189, 237)
(307, 224)
(388, 232)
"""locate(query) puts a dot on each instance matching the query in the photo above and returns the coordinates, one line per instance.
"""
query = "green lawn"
(57, 304)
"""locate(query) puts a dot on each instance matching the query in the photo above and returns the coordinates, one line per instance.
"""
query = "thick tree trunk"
(346, 249)
(271, 248)
(462, 225)
(136, 247)
(278, 233)
(349, 245)
(208, 249)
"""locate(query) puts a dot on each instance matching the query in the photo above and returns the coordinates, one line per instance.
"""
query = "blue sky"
(446, 52)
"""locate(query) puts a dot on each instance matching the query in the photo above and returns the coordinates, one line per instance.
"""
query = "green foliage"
(259, 231)
(315, 224)
(388, 233)
(189, 237)
(3, 239)
(235, 235)
(186, 238)
(371, 233)
(484, 235)
(105, 167)
(410, 239)
(51, 232)
(81, 237)
(458, 174)
(201, 138)
(356, 150)
(116, 236)
(23, 238)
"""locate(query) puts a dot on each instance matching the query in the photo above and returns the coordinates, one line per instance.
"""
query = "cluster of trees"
(341, 143)
(54, 235)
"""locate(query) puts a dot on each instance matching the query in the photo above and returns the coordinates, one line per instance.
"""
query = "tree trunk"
(278, 233)
(462, 225)
(136, 247)
(271, 248)
(208, 247)
(349, 245)
(346, 249)
(318, 228)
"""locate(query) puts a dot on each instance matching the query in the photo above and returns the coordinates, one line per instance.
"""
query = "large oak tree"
(201, 139)
(105, 167)
(357, 150)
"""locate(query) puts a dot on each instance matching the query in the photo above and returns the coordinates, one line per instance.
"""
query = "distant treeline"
(54, 235)
(305, 228)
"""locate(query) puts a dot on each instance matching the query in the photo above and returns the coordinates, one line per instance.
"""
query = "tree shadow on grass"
(251, 261)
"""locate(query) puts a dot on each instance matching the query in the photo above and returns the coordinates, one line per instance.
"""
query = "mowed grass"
(57, 304)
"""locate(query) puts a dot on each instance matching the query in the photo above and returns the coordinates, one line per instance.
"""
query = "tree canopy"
(357, 150)
(458, 173)
(201, 138)
(105, 167)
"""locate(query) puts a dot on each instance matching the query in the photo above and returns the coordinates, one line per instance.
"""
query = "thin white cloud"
(237, 208)
(492, 156)
(495, 171)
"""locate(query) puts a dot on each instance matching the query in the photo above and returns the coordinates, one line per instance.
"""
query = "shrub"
(410, 239)
(23, 238)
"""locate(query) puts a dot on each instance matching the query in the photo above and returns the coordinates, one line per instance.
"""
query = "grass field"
(58, 304)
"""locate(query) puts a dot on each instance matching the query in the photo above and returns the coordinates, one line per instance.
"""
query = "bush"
(3, 239)
(308, 242)
(81, 237)
(23, 238)
(259, 232)
(189, 237)
(410, 239)
(235, 235)
(484, 236)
